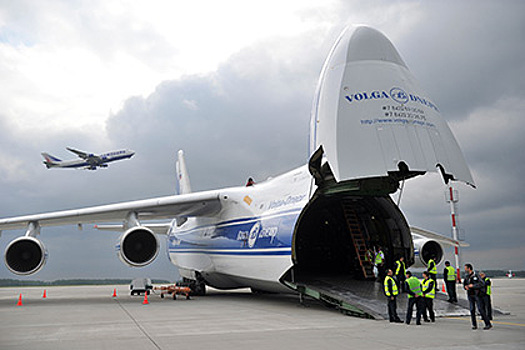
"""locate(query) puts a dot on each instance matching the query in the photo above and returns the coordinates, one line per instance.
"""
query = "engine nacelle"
(424, 249)
(138, 246)
(25, 255)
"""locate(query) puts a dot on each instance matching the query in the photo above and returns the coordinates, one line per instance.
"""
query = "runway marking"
(495, 322)
(138, 325)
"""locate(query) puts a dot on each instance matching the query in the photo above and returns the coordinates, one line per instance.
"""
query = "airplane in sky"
(88, 161)
(372, 128)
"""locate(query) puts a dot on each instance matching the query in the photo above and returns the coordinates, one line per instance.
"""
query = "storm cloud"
(249, 116)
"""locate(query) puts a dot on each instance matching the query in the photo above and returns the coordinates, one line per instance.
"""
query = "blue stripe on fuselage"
(238, 252)
(270, 234)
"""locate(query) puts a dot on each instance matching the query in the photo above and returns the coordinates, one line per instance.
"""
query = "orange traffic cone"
(19, 300)
(115, 293)
(45, 295)
(145, 302)
(443, 290)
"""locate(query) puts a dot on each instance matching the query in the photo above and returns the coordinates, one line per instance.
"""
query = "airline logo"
(254, 232)
(249, 238)
(395, 93)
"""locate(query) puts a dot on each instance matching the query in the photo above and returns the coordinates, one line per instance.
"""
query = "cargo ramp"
(364, 298)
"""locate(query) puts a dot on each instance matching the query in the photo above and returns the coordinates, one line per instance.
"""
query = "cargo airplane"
(88, 161)
(372, 127)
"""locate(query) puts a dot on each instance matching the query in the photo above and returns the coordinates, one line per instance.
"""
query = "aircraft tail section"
(183, 178)
(50, 161)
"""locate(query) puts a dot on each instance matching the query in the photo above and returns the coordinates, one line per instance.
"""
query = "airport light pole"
(452, 198)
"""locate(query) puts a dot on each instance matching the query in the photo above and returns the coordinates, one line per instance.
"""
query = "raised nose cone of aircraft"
(368, 44)
(373, 119)
(363, 44)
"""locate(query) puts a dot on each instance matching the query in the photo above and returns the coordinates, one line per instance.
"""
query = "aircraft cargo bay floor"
(88, 317)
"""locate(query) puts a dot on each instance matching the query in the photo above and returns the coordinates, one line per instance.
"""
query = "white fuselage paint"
(249, 243)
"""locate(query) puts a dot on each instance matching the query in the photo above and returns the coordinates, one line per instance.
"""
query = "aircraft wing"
(158, 228)
(188, 205)
(81, 154)
(437, 237)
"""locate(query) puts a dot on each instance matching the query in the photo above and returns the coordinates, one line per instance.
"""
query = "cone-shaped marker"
(443, 290)
(45, 295)
(19, 300)
(145, 299)
(115, 293)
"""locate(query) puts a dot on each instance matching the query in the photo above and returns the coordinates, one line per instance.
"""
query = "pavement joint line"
(138, 325)
(495, 322)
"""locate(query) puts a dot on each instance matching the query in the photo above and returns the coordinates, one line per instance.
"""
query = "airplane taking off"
(372, 127)
(89, 161)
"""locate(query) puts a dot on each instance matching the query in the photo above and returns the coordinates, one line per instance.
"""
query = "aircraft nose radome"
(363, 84)
(363, 43)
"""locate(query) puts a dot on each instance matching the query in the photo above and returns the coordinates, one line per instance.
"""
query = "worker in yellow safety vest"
(369, 256)
(429, 293)
(400, 273)
(449, 277)
(432, 269)
(488, 293)
(379, 261)
(415, 296)
(391, 293)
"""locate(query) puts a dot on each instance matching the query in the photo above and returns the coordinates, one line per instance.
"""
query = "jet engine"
(25, 255)
(138, 246)
(427, 249)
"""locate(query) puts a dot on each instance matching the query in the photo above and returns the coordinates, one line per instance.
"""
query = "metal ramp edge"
(334, 300)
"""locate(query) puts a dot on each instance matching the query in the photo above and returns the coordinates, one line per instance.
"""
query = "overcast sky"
(231, 83)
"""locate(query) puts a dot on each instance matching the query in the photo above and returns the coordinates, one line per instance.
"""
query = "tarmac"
(88, 317)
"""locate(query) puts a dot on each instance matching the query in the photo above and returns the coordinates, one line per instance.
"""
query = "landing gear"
(198, 287)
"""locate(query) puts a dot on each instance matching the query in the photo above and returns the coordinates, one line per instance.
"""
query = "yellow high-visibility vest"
(394, 286)
(400, 268)
(432, 267)
(489, 290)
(415, 286)
(379, 258)
(369, 256)
(451, 273)
(426, 284)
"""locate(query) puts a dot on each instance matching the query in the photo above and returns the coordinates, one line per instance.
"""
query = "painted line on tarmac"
(495, 322)
(138, 325)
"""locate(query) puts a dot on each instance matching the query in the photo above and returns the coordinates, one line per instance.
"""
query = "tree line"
(70, 282)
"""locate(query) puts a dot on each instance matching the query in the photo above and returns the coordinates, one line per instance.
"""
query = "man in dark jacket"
(391, 292)
(474, 286)
(401, 271)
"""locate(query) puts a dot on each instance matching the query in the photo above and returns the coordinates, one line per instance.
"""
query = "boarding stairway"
(358, 239)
